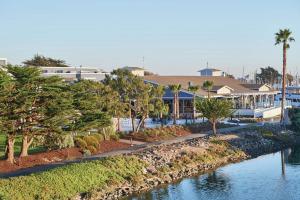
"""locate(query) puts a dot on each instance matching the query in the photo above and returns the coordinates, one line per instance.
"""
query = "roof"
(217, 87)
(132, 68)
(74, 68)
(254, 86)
(219, 82)
(212, 69)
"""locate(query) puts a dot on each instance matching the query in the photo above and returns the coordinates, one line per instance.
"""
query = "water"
(261, 178)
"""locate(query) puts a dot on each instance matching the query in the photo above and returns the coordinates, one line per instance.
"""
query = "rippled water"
(260, 179)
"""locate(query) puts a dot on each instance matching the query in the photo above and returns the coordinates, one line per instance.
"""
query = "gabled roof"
(255, 86)
(219, 81)
(218, 87)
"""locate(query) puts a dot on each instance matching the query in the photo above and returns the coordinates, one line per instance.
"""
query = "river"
(262, 178)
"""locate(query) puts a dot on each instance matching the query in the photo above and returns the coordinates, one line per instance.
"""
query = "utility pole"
(143, 62)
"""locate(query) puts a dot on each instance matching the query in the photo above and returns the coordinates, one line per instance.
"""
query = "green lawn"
(67, 181)
(18, 145)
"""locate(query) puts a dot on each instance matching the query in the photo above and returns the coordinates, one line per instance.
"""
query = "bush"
(92, 149)
(294, 115)
(66, 141)
(99, 137)
(86, 153)
(38, 140)
(114, 137)
(56, 141)
(91, 141)
(267, 133)
(80, 143)
(107, 132)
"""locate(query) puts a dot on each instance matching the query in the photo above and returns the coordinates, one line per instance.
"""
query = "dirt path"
(137, 146)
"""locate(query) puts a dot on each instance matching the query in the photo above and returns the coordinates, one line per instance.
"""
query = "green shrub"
(66, 141)
(294, 115)
(92, 149)
(267, 133)
(86, 153)
(99, 137)
(58, 141)
(107, 132)
(80, 143)
(91, 140)
(38, 140)
(114, 137)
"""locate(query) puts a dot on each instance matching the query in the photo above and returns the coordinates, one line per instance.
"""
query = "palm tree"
(175, 90)
(214, 110)
(283, 37)
(208, 85)
(194, 89)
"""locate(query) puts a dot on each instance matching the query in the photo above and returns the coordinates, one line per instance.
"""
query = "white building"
(249, 100)
(75, 73)
(211, 72)
(135, 70)
(3, 61)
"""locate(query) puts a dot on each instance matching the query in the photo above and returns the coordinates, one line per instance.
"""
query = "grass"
(18, 145)
(70, 180)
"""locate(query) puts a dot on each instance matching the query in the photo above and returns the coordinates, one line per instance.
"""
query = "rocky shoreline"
(169, 163)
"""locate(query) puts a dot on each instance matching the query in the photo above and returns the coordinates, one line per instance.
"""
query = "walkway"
(138, 146)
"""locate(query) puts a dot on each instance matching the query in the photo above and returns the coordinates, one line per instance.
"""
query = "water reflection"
(293, 157)
(271, 177)
(212, 181)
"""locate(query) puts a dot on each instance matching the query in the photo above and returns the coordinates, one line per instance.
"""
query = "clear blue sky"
(174, 36)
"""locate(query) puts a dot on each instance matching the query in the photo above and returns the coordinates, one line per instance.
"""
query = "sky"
(175, 37)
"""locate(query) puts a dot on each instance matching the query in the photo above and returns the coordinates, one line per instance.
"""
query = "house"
(135, 70)
(248, 100)
(3, 61)
(71, 74)
(211, 72)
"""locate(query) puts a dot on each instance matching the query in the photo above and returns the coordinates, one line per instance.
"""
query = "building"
(135, 70)
(211, 72)
(75, 73)
(3, 61)
(248, 100)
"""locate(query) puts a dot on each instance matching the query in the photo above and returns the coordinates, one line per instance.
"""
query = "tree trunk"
(283, 85)
(214, 128)
(10, 149)
(177, 106)
(208, 94)
(133, 124)
(194, 108)
(118, 124)
(25, 145)
(174, 109)
(140, 124)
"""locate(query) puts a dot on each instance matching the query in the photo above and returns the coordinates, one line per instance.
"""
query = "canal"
(262, 178)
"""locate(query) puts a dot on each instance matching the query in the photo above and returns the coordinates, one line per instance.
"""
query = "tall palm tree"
(283, 37)
(175, 90)
(194, 89)
(208, 85)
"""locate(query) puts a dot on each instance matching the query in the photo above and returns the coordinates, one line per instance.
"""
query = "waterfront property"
(138, 71)
(72, 74)
(292, 96)
(250, 100)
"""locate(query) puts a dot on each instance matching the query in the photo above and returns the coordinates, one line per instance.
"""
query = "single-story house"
(250, 100)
